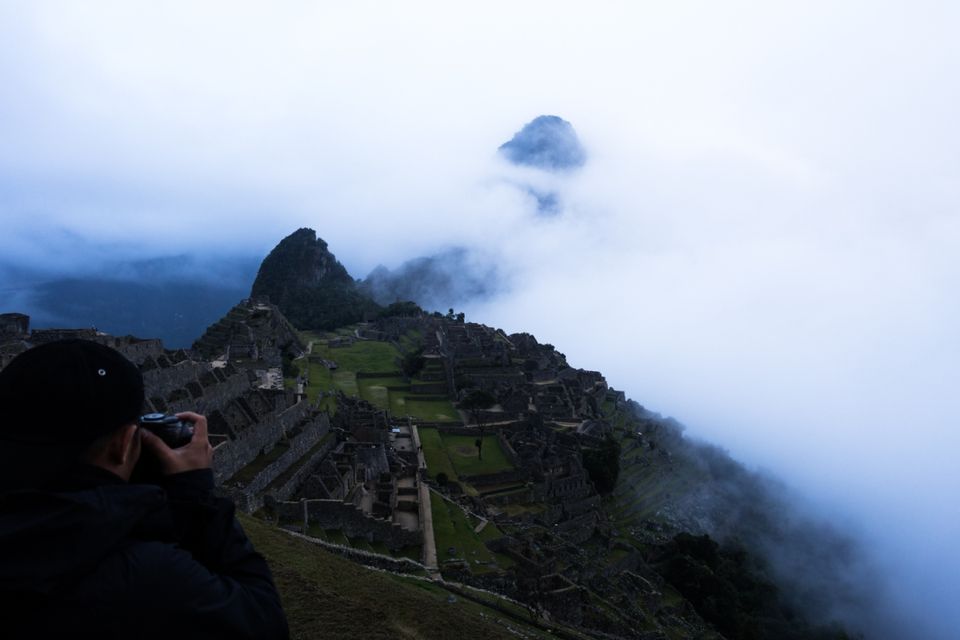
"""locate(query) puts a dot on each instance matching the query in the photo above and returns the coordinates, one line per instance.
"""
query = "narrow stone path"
(426, 514)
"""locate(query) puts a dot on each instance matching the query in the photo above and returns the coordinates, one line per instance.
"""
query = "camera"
(171, 429)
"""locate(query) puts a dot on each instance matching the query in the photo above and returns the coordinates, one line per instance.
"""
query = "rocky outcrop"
(547, 142)
(254, 330)
(309, 285)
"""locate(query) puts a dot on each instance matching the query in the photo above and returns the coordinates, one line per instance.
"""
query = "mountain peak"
(546, 142)
(308, 283)
(303, 257)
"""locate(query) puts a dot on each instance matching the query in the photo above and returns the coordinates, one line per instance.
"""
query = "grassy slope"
(363, 355)
(462, 451)
(436, 454)
(328, 597)
(429, 410)
(452, 528)
(390, 392)
(457, 455)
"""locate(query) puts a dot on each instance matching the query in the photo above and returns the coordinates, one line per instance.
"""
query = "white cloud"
(763, 242)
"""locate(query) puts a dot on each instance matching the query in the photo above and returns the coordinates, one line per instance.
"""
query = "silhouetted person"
(84, 552)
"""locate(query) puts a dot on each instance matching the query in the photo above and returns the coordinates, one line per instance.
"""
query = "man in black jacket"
(85, 552)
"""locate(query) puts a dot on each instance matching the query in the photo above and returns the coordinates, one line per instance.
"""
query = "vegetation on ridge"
(309, 285)
(326, 596)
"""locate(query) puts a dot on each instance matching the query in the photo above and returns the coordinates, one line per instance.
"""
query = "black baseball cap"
(61, 396)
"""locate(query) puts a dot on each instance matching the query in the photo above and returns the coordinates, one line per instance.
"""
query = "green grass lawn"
(490, 532)
(457, 455)
(389, 392)
(363, 355)
(402, 404)
(435, 454)
(411, 341)
(329, 404)
(452, 528)
(320, 378)
(466, 459)
(378, 391)
(325, 596)
(346, 381)
(519, 509)
(377, 395)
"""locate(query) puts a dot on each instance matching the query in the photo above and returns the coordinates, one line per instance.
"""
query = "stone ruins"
(361, 473)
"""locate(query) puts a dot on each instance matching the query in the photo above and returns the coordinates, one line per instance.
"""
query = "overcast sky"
(763, 242)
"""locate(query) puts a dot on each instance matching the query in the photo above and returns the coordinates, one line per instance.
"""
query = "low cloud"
(762, 242)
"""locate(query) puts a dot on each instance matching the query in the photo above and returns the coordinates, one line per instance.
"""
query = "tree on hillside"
(729, 588)
(413, 363)
(476, 402)
(401, 309)
(603, 464)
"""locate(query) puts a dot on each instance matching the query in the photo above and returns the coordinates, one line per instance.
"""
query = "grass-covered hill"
(326, 596)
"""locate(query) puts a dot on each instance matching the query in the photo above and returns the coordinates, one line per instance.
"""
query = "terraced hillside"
(369, 369)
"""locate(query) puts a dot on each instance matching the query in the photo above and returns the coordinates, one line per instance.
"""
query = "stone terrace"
(252, 330)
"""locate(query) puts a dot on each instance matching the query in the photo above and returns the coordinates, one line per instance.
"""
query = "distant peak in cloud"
(546, 142)
(450, 278)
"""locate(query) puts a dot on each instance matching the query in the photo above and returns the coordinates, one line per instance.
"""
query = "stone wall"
(252, 498)
(454, 431)
(459, 430)
(574, 508)
(366, 558)
(11, 350)
(507, 448)
(503, 477)
(565, 601)
(429, 388)
(290, 486)
(354, 523)
(137, 350)
(489, 417)
(503, 584)
(525, 495)
(43, 336)
(14, 326)
(232, 456)
(580, 529)
(574, 486)
(160, 381)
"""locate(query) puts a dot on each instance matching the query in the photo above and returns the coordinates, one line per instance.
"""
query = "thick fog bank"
(761, 239)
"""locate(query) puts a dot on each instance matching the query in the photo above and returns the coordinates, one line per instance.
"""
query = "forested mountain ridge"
(309, 284)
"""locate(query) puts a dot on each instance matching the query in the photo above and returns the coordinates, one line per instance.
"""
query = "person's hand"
(196, 454)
